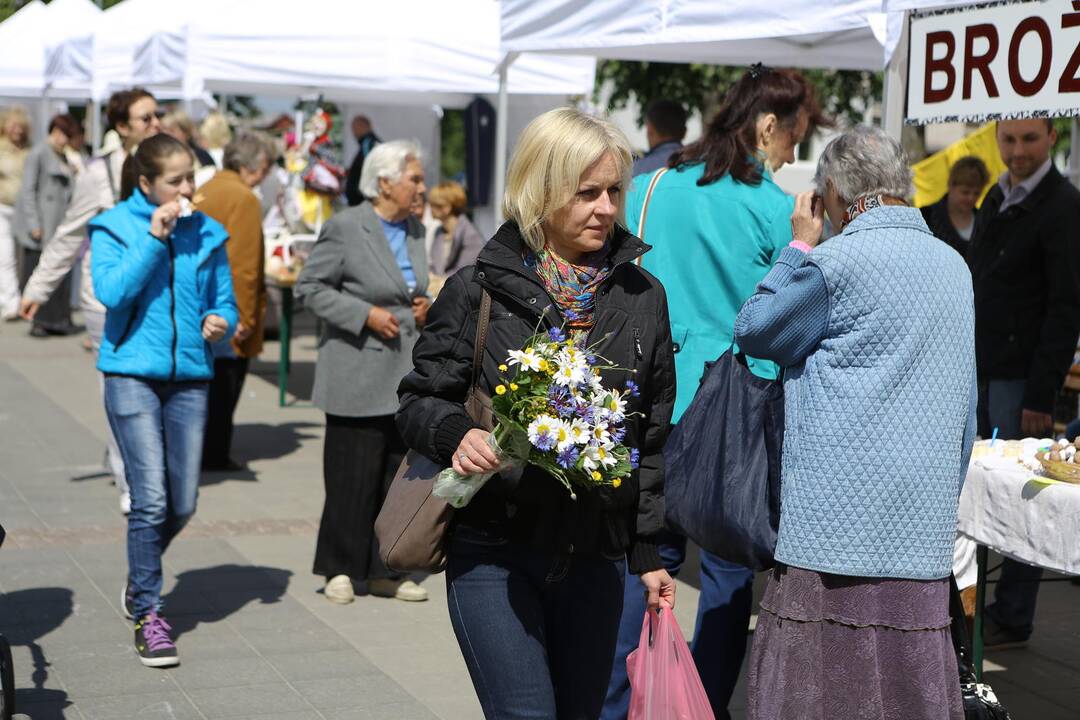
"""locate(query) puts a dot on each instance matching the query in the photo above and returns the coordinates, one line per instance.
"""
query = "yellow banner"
(932, 174)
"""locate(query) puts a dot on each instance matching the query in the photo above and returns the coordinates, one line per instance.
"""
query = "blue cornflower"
(632, 388)
(572, 315)
(568, 457)
(635, 458)
(618, 433)
(544, 441)
(556, 335)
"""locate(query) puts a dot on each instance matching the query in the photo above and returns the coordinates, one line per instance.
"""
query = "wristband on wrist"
(800, 245)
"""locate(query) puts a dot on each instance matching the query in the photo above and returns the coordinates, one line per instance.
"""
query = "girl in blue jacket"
(162, 273)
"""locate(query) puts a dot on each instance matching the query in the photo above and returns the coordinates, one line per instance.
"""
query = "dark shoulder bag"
(980, 703)
(412, 524)
(722, 464)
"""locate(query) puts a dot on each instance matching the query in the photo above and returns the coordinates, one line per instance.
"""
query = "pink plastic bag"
(664, 683)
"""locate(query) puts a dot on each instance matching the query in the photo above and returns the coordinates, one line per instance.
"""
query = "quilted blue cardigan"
(876, 329)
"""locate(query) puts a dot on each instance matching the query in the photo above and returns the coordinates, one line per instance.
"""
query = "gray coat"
(351, 269)
(43, 199)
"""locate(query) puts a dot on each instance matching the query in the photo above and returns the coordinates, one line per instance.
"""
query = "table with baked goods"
(1011, 505)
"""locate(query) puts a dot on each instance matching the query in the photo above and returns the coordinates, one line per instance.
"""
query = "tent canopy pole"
(502, 128)
(894, 93)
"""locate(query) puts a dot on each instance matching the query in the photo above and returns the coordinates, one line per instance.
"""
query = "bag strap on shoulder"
(482, 322)
(645, 206)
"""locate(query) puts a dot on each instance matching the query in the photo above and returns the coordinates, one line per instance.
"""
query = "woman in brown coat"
(229, 199)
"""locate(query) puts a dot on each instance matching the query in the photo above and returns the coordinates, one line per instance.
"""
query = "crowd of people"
(879, 320)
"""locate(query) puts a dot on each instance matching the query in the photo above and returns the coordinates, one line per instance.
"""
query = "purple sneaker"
(153, 643)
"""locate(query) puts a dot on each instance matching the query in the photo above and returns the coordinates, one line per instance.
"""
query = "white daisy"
(564, 436)
(568, 375)
(580, 432)
(527, 358)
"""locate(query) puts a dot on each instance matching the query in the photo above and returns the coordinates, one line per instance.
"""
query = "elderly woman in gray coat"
(875, 327)
(366, 279)
(47, 182)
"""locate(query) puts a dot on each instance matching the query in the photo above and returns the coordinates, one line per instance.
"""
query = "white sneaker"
(339, 590)
(405, 590)
(125, 503)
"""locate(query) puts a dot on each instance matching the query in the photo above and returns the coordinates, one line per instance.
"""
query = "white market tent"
(24, 37)
(840, 34)
(420, 52)
(98, 60)
(400, 63)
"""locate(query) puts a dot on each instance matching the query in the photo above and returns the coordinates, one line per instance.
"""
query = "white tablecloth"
(1002, 508)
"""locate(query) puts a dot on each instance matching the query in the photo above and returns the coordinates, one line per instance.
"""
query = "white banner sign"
(990, 62)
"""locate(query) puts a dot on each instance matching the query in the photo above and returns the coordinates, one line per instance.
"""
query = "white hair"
(387, 160)
(864, 161)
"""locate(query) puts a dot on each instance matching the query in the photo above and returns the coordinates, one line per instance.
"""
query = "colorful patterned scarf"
(572, 286)
(867, 202)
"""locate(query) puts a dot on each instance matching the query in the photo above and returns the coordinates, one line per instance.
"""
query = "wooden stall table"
(1007, 508)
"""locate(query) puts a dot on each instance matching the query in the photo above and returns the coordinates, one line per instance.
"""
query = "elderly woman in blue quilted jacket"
(875, 330)
(163, 276)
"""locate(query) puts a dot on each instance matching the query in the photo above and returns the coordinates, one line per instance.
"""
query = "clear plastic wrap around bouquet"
(553, 412)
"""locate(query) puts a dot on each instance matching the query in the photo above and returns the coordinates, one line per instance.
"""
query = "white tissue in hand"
(185, 207)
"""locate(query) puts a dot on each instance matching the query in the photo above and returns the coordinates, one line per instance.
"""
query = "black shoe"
(127, 601)
(153, 642)
(65, 329)
(229, 465)
(998, 637)
(38, 332)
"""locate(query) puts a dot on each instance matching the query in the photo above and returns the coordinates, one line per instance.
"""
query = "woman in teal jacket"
(716, 222)
(162, 273)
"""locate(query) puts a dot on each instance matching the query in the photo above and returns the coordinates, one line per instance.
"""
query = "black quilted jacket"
(535, 509)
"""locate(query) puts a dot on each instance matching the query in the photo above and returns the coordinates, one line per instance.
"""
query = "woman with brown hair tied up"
(717, 223)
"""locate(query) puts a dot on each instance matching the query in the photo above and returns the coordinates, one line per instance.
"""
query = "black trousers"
(360, 459)
(54, 313)
(225, 388)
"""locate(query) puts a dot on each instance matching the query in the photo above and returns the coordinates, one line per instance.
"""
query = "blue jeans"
(159, 427)
(537, 630)
(1001, 404)
(719, 644)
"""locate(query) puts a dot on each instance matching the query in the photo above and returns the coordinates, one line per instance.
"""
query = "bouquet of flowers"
(553, 411)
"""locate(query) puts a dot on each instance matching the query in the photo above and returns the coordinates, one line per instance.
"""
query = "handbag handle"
(482, 322)
(645, 208)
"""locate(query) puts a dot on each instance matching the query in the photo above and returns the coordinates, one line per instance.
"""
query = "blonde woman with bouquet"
(537, 557)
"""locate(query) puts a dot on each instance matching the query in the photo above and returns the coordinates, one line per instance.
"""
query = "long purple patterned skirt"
(832, 647)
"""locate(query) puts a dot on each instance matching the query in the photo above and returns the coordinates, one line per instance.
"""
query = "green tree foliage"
(845, 93)
(452, 128)
(7, 7)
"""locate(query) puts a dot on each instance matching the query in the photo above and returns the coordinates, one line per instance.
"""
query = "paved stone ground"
(257, 639)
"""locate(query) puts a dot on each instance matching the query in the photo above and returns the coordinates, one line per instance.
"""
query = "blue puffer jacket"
(158, 293)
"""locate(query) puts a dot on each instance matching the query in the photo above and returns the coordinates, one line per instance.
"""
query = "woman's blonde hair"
(554, 151)
(215, 131)
(19, 114)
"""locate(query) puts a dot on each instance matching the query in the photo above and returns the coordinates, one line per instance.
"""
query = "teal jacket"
(711, 245)
(158, 293)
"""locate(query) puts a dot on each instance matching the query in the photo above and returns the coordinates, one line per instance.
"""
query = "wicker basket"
(1064, 471)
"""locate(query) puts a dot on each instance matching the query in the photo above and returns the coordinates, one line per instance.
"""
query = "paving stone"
(323, 665)
(395, 711)
(223, 672)
(102, 677)
(366, 692)
(158, 706)
(248, 700)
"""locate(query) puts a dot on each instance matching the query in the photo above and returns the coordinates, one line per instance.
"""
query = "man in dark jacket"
(665, 128)
(366, 139)
(1025, 262)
